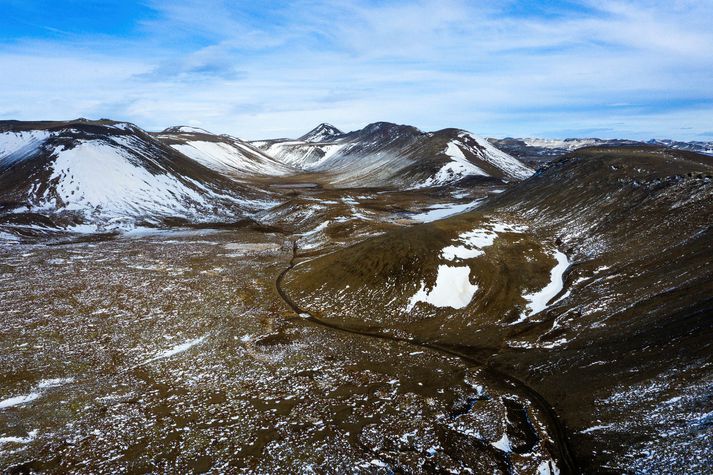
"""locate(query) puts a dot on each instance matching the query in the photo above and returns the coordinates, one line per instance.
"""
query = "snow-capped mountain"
(386, 154)
(222, 153)
(535, 151)
(185, 129)
(705, 148)
(322, 133)
(109, 175)
(564, 144)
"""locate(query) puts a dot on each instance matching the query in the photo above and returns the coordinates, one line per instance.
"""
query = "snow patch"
(19, 440)
(458, 168)
(122, 126)
(512, 167)
(537, 301)
(474, 241)
(437, 212)
(303, 155)
(235, 157)
(452, 289)
(568, 144)
(314, 238)
(35, 394)
(547, 467)
(503, 444)
(596, 428)
(177, 349)
(19, 400)
(53, 383)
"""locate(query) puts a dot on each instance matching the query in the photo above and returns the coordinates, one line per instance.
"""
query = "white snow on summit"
(496, 157)
(458, 168)
(185, 129)
(321, 133)
(97, 174)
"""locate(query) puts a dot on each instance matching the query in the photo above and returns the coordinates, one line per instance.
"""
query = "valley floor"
(182, 355)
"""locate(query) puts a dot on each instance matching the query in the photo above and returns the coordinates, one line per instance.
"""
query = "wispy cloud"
(624, 68)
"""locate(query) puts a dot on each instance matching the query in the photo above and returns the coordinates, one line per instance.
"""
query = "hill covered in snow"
(105, 175)
(223, 153)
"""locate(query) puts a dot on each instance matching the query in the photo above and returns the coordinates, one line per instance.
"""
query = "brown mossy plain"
(264, 391)
(369, 285)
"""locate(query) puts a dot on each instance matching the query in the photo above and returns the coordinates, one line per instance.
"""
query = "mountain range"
(104, 175)
(535, 151)
(385, 154)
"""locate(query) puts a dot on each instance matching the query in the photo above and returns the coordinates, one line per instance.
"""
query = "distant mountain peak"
(322, 132)
(390, 128)
(185, 129)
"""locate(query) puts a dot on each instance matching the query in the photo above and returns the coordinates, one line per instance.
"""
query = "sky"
(635, 69)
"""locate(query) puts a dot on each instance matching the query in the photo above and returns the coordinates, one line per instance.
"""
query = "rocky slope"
(103, 175)
(590, 281)
(383, 154)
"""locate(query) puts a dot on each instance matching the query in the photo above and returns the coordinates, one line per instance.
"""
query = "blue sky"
(254, 69)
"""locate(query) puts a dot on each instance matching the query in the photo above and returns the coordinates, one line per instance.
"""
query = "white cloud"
(432, 64)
